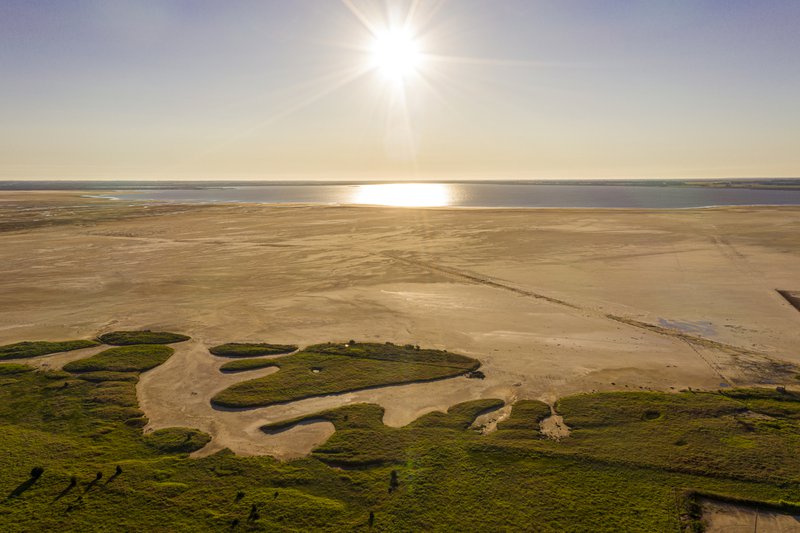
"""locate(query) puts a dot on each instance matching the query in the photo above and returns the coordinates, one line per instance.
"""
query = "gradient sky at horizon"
(201, 89)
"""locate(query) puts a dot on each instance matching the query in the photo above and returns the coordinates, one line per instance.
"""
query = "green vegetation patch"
(7, 369)
(123, 359)
(243, 349)
(460, 416)
(620, 470)
(109, 376)
(127, 338)
(362, 440)
(26, 349)
(177, 440)
(246, 364)
(335, 368)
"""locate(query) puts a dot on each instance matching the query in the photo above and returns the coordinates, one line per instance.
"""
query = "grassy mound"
(242, 349)
(25, 349)
(334, 368)
(127, 338)
(246, 364)
(123, 359)
(177, 440)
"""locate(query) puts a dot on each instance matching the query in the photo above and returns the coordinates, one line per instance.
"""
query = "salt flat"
(552, 302)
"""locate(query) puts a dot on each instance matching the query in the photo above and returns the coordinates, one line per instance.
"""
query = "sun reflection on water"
(404, 195)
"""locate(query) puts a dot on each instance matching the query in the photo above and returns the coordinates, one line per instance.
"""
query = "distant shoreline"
(90, 185)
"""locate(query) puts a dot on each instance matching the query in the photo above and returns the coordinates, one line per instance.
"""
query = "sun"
(395, 54)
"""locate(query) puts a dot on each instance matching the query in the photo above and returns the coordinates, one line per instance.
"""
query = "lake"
(475, 195)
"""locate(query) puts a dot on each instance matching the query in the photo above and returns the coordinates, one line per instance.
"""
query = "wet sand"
(553, 302)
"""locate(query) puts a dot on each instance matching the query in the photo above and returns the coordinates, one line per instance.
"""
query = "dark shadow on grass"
(63, 493)
(278, 429)
(22, 487)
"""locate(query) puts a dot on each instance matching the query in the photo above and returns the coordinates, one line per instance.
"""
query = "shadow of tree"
(25, 485)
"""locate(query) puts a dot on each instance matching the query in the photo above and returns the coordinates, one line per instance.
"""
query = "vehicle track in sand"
(771, 366)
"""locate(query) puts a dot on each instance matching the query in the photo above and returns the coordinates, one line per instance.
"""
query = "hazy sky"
(263, 89)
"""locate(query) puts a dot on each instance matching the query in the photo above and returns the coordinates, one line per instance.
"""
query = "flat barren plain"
(552, 302)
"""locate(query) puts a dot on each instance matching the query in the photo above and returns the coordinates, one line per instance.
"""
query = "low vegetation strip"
(127, 338)
(246, 364)
(242, 349)
(336, 368)
(136, 358)
(388, 351)
(27, 349)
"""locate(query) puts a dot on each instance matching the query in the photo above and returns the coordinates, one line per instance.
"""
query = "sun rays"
(391, 47)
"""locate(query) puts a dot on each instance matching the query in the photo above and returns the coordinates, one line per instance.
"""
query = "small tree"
(36, 472)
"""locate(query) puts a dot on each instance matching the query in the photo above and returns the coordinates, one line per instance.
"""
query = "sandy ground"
(728, 518)
(552, 302)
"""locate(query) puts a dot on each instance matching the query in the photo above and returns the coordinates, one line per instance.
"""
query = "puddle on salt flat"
(701, 327)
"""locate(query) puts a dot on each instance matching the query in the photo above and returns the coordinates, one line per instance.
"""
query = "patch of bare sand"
(729, 518)
(553, 427)
(528, 292)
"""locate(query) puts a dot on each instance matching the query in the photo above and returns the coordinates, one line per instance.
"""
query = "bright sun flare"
(404, 194)
(396, 54)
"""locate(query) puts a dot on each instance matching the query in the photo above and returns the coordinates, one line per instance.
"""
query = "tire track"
(692, 340)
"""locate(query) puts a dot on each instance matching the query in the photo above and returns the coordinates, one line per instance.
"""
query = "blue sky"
(137, 89)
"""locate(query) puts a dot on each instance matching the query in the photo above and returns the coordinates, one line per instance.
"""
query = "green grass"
(127, 338)
(7, 369)
(26, 349)
(241, 349)
(123, 359)
(177, 440)
(246, 364)
(634, 462)
(334, 368)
